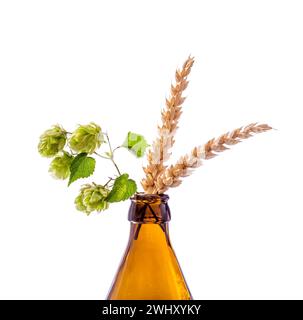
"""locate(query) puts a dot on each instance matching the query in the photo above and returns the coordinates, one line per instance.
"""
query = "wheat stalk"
(172, 176)
(160, 150)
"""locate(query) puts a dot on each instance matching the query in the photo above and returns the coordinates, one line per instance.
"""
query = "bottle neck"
(149, 215)
(149, 208)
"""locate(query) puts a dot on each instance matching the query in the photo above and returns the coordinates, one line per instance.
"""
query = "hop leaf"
(82, 166)
(60, 166)
(123, 189)
(86, 138)
(135, 143)
(52, 141)
(92, 198)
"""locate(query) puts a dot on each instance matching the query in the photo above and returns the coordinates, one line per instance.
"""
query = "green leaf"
(135, 143)
(81, 167)
(123, 189)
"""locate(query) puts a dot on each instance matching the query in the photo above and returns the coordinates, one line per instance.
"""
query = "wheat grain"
(172, 176)
(160, 150)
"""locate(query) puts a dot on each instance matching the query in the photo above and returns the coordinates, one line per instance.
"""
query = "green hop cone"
(52, 141)
(60, 166)
(92, 197)
(86, 138)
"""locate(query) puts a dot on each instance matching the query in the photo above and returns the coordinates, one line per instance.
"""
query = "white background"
(236, 222)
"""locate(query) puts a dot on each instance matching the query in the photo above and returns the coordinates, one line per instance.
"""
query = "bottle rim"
(149, 197)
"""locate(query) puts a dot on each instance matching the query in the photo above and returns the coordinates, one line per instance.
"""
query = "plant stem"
(112, 154)
(101, 156)
(109, 180)
(114, 163)
(117, 148)
(72, 152)
(109, 144)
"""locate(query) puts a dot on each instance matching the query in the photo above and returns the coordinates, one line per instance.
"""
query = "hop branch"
(74, 163)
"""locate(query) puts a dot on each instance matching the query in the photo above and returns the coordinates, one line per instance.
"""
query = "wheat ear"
(172, 176)
(159, 152)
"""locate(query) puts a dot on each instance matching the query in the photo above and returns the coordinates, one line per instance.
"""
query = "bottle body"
(149, 269)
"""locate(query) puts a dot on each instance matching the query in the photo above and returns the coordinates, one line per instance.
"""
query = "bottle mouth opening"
(149, 198)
